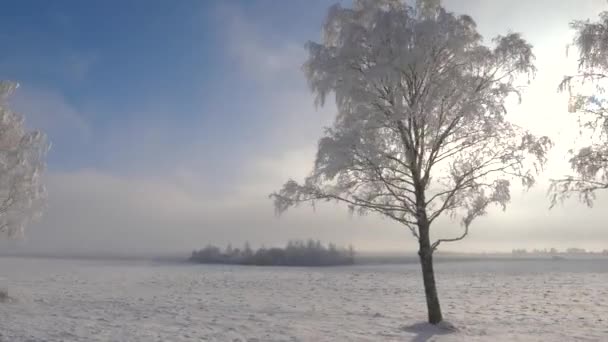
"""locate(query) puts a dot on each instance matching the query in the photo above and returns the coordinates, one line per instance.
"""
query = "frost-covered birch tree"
(421, 128)
(587, 99)
(22, 155)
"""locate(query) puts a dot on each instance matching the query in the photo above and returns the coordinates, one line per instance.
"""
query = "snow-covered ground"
(72, 300)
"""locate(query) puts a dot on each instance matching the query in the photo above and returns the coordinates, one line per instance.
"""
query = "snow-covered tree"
(421, 128)
(587, 99)
(22, 156)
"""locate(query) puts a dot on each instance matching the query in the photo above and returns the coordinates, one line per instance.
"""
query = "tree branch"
(464, 234)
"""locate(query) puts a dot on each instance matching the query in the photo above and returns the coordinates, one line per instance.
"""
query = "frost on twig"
(587, 100)
(22, 156)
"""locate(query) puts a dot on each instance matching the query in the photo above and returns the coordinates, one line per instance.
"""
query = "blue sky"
(171, 121)
(117, 63)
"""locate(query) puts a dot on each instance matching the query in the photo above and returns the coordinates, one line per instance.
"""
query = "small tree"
(22, 156)
(587, 100)
(421, 128)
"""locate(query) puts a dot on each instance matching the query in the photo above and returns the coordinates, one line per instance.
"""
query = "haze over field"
(170, 129)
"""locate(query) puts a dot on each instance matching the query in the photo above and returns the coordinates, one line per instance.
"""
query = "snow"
(75, 300)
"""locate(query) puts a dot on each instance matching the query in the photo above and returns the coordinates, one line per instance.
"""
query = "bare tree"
(421, 128)
(22, 156)
(587, 100)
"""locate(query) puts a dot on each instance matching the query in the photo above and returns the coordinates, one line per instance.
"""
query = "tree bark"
(426, 251)
(428, 275)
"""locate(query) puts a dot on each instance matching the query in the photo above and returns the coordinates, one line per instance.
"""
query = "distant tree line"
(295, 253)
(554, 251)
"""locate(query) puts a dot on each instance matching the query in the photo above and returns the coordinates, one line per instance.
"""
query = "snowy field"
(72, 300)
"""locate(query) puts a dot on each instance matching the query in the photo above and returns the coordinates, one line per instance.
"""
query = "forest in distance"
(295, 253)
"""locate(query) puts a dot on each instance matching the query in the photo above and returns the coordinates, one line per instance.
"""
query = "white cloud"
(95, 212)
(50, 112)
(264, 57)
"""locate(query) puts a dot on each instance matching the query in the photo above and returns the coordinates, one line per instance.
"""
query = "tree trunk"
(430, 290)
(428, 275)
(426, 251)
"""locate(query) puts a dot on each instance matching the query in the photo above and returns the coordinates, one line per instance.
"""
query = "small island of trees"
(295, 253)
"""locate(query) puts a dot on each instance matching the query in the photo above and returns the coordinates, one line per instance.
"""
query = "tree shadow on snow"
(425, 331)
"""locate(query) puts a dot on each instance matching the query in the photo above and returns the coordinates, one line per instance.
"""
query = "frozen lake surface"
(75, 300)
